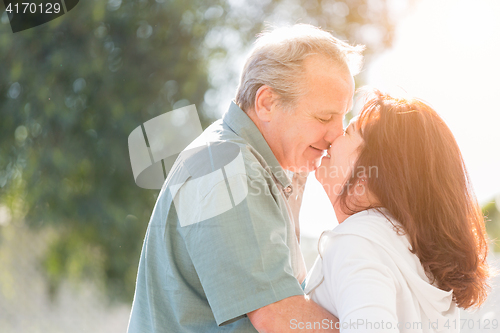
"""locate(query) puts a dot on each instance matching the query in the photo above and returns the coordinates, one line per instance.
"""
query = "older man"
(222, 250)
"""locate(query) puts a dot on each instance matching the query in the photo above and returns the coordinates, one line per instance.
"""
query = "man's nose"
(334, 131)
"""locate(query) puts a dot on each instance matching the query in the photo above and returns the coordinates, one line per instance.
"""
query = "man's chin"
(305, 167)
(320, 173)
(315, 165)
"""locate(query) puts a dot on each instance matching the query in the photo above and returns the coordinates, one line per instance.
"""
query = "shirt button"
(288, 189)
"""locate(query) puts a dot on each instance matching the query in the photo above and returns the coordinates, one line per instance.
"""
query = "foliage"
(73, 89)
(492, 213)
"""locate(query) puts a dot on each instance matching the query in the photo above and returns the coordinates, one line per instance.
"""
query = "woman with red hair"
(410, 248)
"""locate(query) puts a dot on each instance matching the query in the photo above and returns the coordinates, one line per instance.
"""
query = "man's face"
(299, 138)
(344, 152)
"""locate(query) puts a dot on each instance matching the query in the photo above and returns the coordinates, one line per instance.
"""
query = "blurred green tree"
(491, 211)
(73, 89)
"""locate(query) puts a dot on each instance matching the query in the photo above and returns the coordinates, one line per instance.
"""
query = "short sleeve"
(361, 284)
(239, 249)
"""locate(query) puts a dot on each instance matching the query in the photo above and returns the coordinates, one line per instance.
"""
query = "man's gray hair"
(277, 61)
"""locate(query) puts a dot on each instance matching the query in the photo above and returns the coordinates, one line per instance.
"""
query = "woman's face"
(338, 166)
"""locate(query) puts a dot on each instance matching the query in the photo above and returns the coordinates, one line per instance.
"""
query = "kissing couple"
(221, 252)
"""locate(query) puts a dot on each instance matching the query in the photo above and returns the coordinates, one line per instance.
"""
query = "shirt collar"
(241, 124)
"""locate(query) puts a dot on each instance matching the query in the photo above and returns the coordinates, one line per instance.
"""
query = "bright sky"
(446, 52)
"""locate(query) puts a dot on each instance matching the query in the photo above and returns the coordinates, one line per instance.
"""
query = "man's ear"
(264, 103)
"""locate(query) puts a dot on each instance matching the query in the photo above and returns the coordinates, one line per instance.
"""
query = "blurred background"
(72, 220)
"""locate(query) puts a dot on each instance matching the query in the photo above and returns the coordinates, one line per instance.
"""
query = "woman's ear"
(361, 175)
(264, 103)
(363, 194)
(361, 187)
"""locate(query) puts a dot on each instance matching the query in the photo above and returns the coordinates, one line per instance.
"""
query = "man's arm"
(293, 314)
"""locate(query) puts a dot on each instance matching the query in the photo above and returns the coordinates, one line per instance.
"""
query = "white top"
(370, 280)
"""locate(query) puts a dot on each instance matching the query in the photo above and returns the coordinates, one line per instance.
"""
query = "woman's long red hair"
(423, 183)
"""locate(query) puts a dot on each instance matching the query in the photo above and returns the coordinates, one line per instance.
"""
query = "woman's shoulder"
(370, 235)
